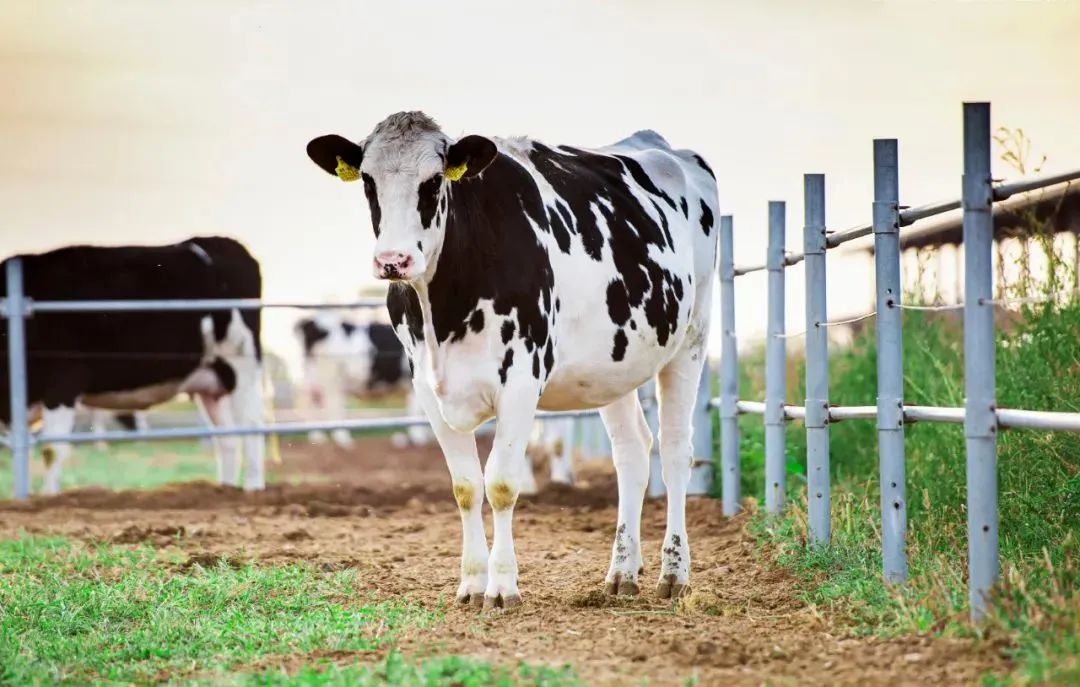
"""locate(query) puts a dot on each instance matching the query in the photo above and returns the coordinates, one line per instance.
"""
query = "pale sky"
(134, 121)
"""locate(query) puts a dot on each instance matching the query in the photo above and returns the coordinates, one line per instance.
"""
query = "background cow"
(530, 277)
(345, 358)
(132, 360)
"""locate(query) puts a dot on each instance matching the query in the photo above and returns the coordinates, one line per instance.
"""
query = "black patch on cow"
(373, 202)
(549, 359)
(388, 361)
(684, 207)
(704, 165)
(420, 246)
(476, 322)
(507, 331)
(508, 360)
(126, 421)
(491, 252)
(559, 230)
(617, 303)
(310, 334)
(403, 305)
(558, 305)
(348, 327)
(225, 373)
(590, 182)
(536, 363)
(706, 218)
(644, 180)
(677, 284)
(633, 325)
(664, 225)
(429, 199)
(618, 349)
(115, 352)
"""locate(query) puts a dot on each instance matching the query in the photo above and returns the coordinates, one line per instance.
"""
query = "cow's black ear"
(336, 155)
(469, 156)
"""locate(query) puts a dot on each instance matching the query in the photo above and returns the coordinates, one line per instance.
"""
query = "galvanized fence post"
(775, 364)
(729, 375)
(890, 370)
(701, 474)
(980, 419)
(817, 360)
(16, 331)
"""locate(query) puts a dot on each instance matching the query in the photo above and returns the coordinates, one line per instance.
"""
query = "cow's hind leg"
(463, 461)
(631, 442)
(677, 384)
(56, 421)
(247, 409)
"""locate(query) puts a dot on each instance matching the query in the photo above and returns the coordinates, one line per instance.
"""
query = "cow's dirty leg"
(677, 384)
(463, 461)
(631, 442)
(503, 478)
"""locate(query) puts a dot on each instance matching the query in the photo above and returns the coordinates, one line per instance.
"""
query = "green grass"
(1036, 607)
(73, 613)
(450, 671)
(122, 465)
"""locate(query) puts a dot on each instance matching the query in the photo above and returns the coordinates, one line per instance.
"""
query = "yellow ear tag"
(455, 173)
(345, 171)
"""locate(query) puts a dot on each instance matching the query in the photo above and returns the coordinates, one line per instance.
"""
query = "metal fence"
(980, 415)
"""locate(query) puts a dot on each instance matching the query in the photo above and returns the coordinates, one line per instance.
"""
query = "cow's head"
(405, 166)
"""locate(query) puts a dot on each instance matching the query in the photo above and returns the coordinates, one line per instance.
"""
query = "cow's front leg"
(503, 479)
(459, 448)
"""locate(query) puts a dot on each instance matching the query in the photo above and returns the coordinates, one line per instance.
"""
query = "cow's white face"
(405, 166)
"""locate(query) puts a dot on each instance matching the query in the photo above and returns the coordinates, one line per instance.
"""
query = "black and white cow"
(133, 360)
(533, 276)
(344, 358)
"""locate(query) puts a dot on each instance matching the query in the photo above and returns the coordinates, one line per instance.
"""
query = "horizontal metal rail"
(34, 307)
(789, 260)
(1038, 419)
(909, 216)
(276, 428)
(1006, 417)
(1007, 190)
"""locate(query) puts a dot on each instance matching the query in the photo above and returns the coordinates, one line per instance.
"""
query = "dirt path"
(742, 625)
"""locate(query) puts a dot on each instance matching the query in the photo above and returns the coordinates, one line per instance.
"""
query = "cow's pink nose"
(392, 264)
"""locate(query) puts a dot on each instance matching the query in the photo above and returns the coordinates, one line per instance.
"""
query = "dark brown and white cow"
(533, 276)
(133, 360)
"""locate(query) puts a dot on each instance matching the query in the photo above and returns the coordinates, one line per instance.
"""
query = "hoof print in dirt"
(505, 603)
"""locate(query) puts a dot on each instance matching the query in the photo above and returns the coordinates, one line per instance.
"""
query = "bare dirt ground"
(388, 514)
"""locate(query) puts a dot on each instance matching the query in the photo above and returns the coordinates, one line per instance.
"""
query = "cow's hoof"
(475, 599)
(506, 602)
(620, 586)
(670, 588)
